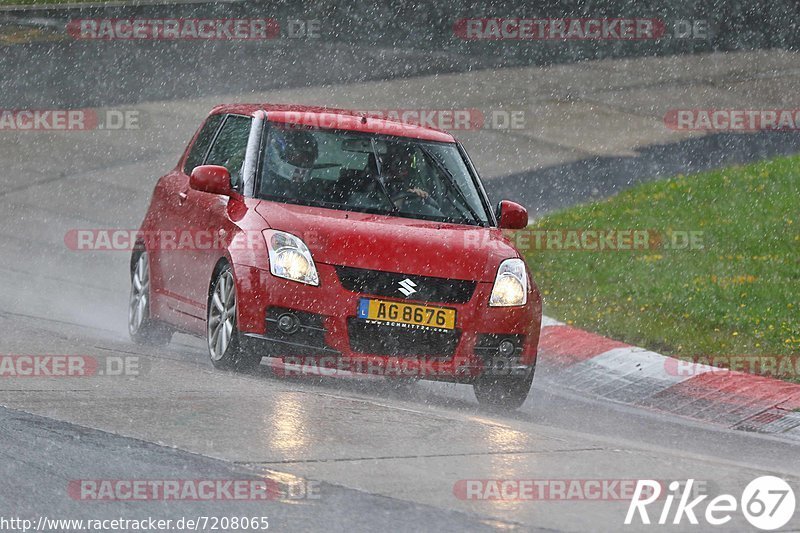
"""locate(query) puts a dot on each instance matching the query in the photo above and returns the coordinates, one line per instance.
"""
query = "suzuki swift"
(298, 232)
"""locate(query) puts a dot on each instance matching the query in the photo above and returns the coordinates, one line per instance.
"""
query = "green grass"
(739, 295)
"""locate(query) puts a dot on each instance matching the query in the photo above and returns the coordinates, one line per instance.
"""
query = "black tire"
(142, 328)
(221, 313)
(505, 392)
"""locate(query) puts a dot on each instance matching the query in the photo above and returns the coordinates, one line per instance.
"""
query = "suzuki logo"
(407, 287)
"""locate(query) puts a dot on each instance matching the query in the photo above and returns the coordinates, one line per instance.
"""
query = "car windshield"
(370, 173)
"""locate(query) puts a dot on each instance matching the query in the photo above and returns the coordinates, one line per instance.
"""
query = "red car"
(359, 243)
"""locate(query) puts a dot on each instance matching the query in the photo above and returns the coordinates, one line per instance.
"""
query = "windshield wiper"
(451, 181)
(378, 179)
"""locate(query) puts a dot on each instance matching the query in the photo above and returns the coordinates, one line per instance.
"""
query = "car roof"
(333, 118)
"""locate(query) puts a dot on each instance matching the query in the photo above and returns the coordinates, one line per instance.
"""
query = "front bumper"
(330, 334)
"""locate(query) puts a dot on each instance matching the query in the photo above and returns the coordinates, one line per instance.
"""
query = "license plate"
(402, 314)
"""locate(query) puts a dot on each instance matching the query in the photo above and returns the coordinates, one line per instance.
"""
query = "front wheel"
(222, 335)
(507, 392)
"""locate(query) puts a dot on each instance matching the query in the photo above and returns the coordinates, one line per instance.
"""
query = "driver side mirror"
(511, 215)
(212, 179)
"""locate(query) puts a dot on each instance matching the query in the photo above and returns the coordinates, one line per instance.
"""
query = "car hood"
(392, 244)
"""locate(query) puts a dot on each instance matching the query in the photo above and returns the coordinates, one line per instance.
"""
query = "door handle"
(182, 196)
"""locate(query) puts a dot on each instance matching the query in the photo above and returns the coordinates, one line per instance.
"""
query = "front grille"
(426, 288)
(378, 339)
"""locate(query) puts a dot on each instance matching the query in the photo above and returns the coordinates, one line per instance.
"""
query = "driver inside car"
(396, 174)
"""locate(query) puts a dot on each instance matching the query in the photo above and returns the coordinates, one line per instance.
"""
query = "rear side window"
(230, 146)
(201, 144)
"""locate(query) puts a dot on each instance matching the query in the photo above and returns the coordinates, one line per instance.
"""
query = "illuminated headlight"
(511, 284)
(290, 258)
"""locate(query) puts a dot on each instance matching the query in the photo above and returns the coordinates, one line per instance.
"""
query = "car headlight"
(290, 258)
(511, 284)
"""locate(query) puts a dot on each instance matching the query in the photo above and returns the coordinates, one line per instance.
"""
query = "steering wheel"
(408, 196)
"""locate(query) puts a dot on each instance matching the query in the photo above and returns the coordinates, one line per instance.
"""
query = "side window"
(231, 146)
(200, 146)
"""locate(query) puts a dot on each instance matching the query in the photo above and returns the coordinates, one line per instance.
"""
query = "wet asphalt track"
(385, 457)
(382, 456)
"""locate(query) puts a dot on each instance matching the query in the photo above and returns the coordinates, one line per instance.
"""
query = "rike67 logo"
(767, 503)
